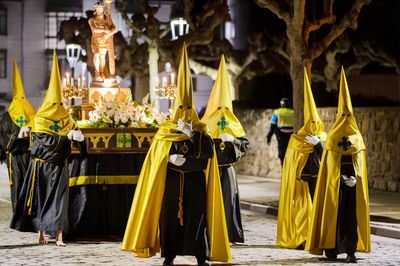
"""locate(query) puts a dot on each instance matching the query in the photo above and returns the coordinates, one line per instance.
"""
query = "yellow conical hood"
(345, 105)
(21, 111)
(219, 115)
(312, 122)
(52, 117)
(344, 136)
(184, 105)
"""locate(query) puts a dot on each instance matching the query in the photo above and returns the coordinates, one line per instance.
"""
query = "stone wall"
(380, 127)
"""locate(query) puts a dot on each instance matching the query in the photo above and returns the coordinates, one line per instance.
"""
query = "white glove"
(186, 128)
(70, 134)
(349, 181)
(314, 140)
(227, 137)
(24, 132)
(177, 159)
(78, 136)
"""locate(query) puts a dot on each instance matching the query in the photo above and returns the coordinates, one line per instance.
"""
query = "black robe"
(15, 152)
(346, 227)
(186, 236)
(310, 170)
(49, 173)
(228, 154)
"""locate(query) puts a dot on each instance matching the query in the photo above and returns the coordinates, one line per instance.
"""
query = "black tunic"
(186, 235)
(228, 154)
(346, 228)
(310, 170)
(15, 152)
(47, 169)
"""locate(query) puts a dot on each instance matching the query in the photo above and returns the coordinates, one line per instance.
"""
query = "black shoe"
(330, 254)
(203, 262)
(351, 258)
(168, 262)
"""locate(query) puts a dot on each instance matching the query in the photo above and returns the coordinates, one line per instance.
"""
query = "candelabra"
(166, 91)
(74, 95)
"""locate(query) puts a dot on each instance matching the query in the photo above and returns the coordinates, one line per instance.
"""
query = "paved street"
(21, 249)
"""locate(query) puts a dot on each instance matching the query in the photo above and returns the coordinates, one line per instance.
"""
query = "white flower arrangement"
(126, 113)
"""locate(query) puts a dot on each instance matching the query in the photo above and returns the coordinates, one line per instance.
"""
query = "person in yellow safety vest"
(282, 126)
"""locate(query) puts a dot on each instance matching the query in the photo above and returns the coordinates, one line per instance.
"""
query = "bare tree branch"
(275, 8)
(328, 18)
(350, 20)
(121, 7)
(298, 15)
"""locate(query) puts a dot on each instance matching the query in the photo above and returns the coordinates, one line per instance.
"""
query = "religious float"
(103, 172)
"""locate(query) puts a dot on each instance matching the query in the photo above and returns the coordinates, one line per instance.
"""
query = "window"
(3, 64)
(53, 22)
(62, 58)
(3, 21)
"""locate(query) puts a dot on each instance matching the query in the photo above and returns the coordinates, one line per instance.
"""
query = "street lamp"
(73, 52)
(179, 27)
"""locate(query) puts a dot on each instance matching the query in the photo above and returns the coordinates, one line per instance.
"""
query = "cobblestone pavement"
(18, 248)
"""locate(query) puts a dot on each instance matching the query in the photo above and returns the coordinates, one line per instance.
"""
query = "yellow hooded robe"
(141, 234)
(52, 117)
(21, 111)
(295, 203)
(343, 139)
(219, 115)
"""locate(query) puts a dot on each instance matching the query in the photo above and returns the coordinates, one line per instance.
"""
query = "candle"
(156, 81)
(64, 82)
(79, 83)
(84, 82)
(164, 82)
(172, 78)
(67, 77)
(72, 81)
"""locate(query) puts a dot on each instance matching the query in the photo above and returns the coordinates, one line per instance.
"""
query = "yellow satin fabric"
(52, 117)
(220, 110)
(216, 224)
(322, 233)
(295, 204)
(10, 167)
(21, 111)
(184, 105)
(141, 234)
(312, 122)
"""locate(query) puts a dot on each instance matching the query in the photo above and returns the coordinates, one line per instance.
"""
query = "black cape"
(228, 154)
(46, 184)
(346, 230)
(186, 235)
(310, 170)
(15, 152)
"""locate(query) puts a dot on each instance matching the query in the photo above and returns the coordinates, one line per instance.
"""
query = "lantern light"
(73, 52)
(179, 27)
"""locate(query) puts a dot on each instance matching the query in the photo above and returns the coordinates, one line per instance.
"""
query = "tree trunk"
(296, 73)
(153, 72)
(141, 83)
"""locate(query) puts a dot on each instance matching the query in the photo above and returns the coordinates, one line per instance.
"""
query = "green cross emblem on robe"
(223, 123)
(345, 143)
(21, 121)
(55, 127)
